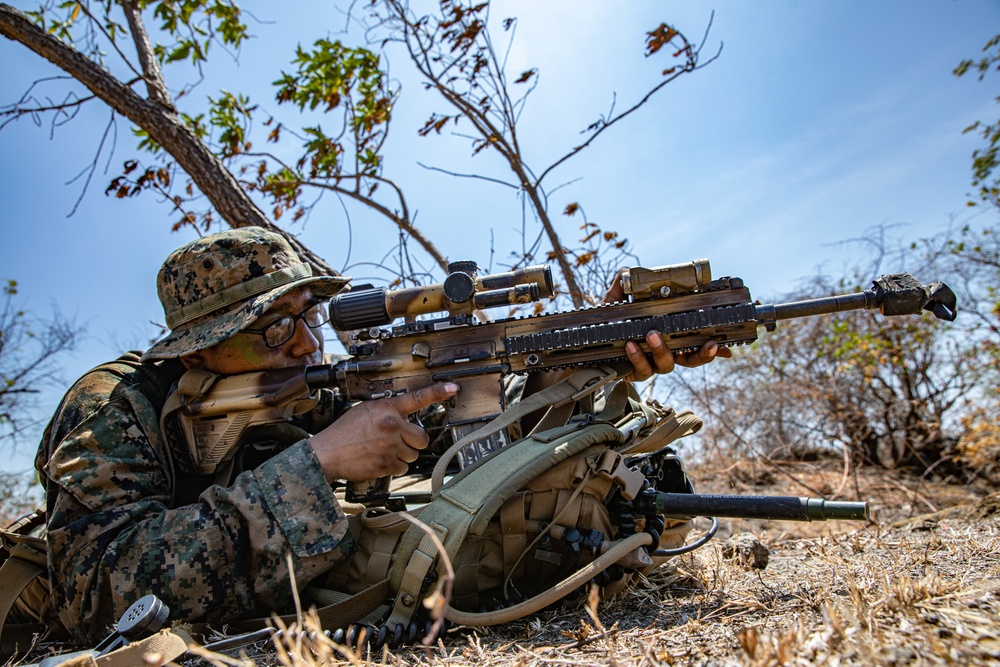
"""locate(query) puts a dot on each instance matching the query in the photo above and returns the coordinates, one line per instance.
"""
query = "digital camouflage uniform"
(117, 529)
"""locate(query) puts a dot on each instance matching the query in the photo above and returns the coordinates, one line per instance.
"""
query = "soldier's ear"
(193, 360)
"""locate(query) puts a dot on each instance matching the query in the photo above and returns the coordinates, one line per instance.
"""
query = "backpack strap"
(465, 505)
(17, 571)
(339, 611)
(559, 398)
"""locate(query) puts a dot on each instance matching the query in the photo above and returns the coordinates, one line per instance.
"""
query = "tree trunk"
(163, 125)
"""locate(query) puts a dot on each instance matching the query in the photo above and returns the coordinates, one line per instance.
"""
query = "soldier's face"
(245, 352)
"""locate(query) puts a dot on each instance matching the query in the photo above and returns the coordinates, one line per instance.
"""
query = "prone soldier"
(128, 512)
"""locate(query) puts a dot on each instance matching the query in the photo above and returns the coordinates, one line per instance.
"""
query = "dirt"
(921, 586)
(918, 586)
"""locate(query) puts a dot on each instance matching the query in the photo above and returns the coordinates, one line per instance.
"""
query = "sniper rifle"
(681, 301)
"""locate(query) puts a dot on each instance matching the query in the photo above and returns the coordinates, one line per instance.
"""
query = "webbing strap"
(168, 644)
(417, 567)
(565, 392)
(343, 610)
(356, 607)
(515, 532)
(555, 416)
(328, 597)
(381, 559)
(674, 427)
(15, 575)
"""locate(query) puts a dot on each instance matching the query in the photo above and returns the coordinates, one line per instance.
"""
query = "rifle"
(681, 301)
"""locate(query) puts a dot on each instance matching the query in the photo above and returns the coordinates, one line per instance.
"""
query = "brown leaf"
(656, 39)
(571, 209)
(526, 75)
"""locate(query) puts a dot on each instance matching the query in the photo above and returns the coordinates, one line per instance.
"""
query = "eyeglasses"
(280, 331)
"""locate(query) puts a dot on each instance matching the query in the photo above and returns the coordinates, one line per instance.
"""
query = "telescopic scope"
(462, 292)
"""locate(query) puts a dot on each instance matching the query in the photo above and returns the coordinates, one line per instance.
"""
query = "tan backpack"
(25, 608)
(516, 532)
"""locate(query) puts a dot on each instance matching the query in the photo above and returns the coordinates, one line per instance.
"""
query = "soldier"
(127, 513)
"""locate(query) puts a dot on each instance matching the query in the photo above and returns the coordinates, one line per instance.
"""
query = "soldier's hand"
(374, 438)
(662, 360)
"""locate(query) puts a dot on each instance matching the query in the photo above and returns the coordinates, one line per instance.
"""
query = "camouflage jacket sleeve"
(114, 537)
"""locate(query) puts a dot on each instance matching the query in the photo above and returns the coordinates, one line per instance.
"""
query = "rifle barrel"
(829, 304)
(779, 508)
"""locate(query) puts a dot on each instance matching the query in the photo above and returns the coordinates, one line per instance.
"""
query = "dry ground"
(921, 586)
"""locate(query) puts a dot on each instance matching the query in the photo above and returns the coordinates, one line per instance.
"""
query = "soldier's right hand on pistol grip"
(374, 439)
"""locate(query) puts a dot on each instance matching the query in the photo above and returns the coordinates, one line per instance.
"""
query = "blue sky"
(818, 122)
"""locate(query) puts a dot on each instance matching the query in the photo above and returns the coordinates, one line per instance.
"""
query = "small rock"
(900, 655)
(748, 551)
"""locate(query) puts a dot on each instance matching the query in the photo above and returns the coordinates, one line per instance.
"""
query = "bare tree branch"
(162, 124)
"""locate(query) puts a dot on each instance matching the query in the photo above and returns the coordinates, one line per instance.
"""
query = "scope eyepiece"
(359, 309)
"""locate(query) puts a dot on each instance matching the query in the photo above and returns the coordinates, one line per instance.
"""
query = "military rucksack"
(25, 608)
(519, 530)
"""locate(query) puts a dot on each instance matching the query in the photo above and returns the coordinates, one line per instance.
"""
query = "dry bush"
(19, 495)
(979, 446)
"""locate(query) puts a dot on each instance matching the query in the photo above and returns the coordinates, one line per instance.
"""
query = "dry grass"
(920, 587)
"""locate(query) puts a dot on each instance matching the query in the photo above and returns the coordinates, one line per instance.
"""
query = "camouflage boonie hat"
(215, 286)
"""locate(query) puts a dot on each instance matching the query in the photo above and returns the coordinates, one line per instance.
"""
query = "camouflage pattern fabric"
(215, 286)
(114, 536)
